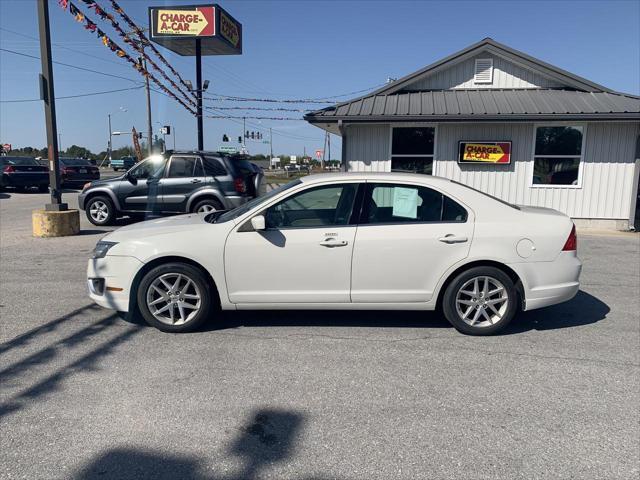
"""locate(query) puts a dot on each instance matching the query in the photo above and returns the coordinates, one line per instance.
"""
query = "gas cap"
(525, 248)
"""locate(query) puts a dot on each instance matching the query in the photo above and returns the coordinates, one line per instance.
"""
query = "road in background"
(341, 395)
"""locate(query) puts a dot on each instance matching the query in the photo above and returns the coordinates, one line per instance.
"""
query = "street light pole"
(149, 131)
(199, 93)
(48, 95)
(109, 148)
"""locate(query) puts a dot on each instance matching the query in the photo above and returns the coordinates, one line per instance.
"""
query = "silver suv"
(171, 183)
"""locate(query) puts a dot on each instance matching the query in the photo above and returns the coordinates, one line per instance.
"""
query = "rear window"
(75, 162)
(19, 161)
(213, 167)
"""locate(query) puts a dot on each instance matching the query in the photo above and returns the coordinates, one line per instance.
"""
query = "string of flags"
(252, 118)
(91, 26)
(145, 41)
(271, 100)
(125, 37)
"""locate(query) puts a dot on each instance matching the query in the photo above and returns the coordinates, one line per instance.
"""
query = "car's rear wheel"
(480, 301)
(174, 297)
(100, 211)
(207, 205)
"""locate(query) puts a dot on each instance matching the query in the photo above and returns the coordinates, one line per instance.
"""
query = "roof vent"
(483, 71)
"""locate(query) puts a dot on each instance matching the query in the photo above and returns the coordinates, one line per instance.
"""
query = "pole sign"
(6, 147)
(485, 152)
(177, 28)
(319, 154)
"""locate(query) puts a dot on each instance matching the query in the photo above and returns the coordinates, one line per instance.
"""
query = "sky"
(294, 49)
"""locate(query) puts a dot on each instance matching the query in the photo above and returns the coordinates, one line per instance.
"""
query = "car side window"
(182, 167)
(315, 207)
(213, 167)
(148, 168)
(396, 203)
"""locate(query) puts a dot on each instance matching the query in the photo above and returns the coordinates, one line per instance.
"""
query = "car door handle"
(452, 239)
(196, 180)
(331, 243)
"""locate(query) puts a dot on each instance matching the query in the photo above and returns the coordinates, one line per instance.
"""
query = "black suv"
(173, 182)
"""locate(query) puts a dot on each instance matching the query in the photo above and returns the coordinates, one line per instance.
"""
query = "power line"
(72, 96)
(71, 66)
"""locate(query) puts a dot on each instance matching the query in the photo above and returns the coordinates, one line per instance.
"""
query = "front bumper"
(549, 283)
(109, 280)
(81, 199)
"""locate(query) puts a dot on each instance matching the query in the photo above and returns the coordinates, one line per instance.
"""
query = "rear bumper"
(116, 274)
(79, 179)
(25, 179)
(549, 283)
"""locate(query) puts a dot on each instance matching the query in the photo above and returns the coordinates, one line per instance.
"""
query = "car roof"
(376, 176)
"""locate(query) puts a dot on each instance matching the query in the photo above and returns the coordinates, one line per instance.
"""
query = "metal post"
(199, 93)
(270, 143)
(174, 136)
(110, 141)
(48, 95)
(343, 132)
(149, 128)
(60, 141)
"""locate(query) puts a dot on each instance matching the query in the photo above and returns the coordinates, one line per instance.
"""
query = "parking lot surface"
(310, 395)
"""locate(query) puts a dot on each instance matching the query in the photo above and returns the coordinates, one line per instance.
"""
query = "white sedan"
(344, 241)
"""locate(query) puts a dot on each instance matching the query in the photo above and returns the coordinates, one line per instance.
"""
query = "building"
(505, 123)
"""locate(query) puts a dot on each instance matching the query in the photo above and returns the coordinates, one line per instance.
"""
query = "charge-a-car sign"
(485, 152)
(184, 22)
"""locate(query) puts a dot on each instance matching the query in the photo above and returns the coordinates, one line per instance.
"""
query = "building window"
(558, 154)
(412, 149)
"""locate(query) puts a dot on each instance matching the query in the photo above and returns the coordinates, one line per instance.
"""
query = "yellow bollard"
(55, 224)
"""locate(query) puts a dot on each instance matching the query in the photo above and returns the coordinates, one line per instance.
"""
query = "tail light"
(239, 185)
(9, 169)
(571, 244)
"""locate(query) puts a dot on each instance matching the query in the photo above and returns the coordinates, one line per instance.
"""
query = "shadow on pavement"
(583, 309)
(268, 437)
(4, 195)
(54, 355)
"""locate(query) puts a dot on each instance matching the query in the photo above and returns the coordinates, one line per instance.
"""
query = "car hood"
(159, 226)
(107, 181)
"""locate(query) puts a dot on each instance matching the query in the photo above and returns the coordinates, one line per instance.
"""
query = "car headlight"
(102, 248)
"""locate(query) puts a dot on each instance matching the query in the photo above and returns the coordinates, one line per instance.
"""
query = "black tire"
(106, 206)
(499, 313)
(212, 203)
(43, 188)
(202, 288)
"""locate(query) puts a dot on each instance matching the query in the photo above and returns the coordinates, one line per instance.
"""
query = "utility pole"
(271, 143)
(109, 146)
(329, 145)
(47, 94)
(199, 93)
(149, 129)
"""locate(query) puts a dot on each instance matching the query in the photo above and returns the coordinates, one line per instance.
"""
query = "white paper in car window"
(405, 202)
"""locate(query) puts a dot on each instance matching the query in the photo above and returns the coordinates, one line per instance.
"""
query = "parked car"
(23, 172)
(174, 182)
(75, 172)
(124, 163)
(344, 241)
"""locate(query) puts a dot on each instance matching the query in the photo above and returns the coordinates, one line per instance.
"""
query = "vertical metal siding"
(607, 168)
(368, 148)
(505, 75)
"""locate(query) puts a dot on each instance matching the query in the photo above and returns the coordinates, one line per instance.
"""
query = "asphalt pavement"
(311, 395)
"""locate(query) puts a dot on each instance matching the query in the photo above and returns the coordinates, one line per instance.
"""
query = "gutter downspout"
(343, 133)
(634, 188)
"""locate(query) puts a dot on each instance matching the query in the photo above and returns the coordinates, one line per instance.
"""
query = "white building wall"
(505, 75)
(606, 178)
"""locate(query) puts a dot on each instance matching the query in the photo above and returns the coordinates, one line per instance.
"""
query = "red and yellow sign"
(192, 22)
(485, 152)
(229, 29)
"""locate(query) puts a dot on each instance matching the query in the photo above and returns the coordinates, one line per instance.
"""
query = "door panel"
(408, 237)
(143, 191)
(184, 175)
(304, 255)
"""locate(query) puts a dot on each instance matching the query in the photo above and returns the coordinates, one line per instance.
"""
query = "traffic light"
(240, 139)
(139, 134)
(253, 135)
(225, 138)
(246, 135)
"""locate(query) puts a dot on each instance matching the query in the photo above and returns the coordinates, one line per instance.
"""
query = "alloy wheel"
(206, 208)
(99, 211)
(482, 301)
(173, 298)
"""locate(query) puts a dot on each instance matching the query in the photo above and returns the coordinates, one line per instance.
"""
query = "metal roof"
(485, 104)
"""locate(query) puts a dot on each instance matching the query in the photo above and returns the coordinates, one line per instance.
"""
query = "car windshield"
(25, 161)
(241, 210)
(75, 162)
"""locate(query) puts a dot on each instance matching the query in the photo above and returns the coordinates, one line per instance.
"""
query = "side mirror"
(133, 180)
(258, 223)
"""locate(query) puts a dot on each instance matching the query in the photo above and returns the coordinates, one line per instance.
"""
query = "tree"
(78, 152)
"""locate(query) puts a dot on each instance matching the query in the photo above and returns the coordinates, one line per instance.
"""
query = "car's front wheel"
(100, 211)
(174, 297)
(480, 301)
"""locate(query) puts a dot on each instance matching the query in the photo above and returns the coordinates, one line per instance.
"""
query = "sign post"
(196, 30)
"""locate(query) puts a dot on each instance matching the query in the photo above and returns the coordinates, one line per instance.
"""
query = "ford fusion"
(344, 241)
